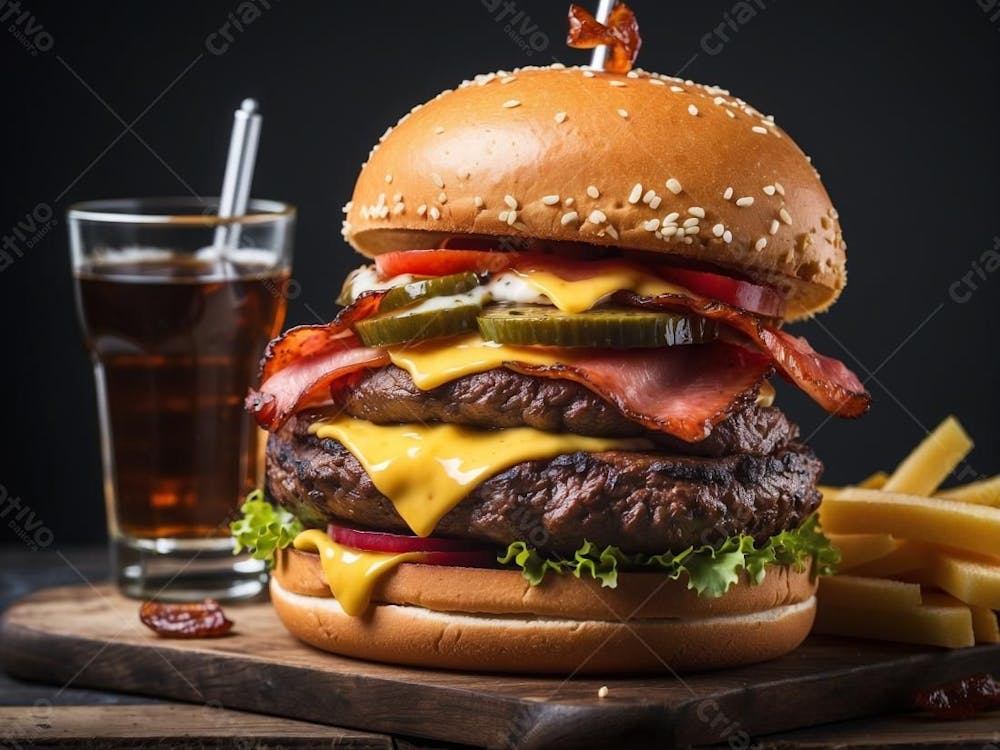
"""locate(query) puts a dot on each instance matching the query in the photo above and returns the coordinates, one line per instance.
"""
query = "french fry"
(908, 556)
(930, 625)
(859, 549)
(874, 481)
(975, 528)
(985, 492)
(984, 620)
(929, 463)
(973, 581)
(868, 593)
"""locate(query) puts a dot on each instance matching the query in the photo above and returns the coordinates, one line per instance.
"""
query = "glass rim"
(128, 211)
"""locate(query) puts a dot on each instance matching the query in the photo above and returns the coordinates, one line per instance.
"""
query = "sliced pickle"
(434, 317)
(421, 289)
(616, 327)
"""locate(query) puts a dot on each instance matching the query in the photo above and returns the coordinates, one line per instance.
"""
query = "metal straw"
(600, 54)
(239, 172)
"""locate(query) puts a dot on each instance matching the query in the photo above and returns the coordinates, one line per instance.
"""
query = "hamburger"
(540, 437)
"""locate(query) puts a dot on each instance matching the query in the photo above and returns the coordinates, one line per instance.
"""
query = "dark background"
(897, 102)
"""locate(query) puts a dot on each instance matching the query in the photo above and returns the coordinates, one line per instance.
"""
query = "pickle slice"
(434, 317)
(438, 286)
(615, 327)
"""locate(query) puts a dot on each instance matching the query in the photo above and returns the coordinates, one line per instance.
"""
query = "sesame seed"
(560, 117)
(442, 198)
(674, 186)
(570, 217)
(774, 226)
(588, 74)
(669, 231)
(388, 178)
(478, 201)
(597, 216)
(728, 194)
(438, 130)
(692, 110)
(657, 82)
(618, 84)
(397, 197)
(677, 89)
(436, 179)
(508, 79)
(780, 188)
(688, 240)
(511, 218)
(569, 201)
(697, 211)
(632, 74)
(503, 216)
(511, 103)
(768, 190)
(623, 113)
(348, 206)
(593, 192)
(636, 195)
(759, 129)
(364, 212)
(672, 217)
(422, 209)
(785, 216)
(731, 114)
(655, 203)
(692, 222)
(745, 201)
(398, 209)
(692, 229)
(435, 212)
(550, 200)
(652, 225)
(612, 232)
(648, 196)
(510, 200)
(760, 244)
(727, 236)
(718, 229)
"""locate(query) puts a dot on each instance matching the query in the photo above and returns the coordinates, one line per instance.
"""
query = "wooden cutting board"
(91, 637)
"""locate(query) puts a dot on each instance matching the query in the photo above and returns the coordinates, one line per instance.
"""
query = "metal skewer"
(600, 53)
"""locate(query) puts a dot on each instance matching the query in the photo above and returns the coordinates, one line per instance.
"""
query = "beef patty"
(503, 398)
(640, 502)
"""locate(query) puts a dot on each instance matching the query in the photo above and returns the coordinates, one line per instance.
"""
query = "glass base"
(186, 570)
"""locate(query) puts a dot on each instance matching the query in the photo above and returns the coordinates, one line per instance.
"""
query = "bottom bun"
(515, 641)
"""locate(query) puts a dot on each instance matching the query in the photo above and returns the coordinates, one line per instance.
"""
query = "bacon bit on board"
(194, 620)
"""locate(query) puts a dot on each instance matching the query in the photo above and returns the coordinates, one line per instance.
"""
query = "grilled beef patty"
(640, 502)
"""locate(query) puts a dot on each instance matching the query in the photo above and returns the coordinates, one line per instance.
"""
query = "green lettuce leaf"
(710, 570)
(264, 529)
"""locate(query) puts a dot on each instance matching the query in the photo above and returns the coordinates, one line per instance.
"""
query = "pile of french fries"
(920, 564)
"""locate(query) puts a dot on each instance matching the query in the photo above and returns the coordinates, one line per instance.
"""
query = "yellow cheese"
(577, 296)
(351, 573)
(427, 469)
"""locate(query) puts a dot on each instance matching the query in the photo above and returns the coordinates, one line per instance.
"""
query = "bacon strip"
(300, 367)
(826, 380)
(681, 390)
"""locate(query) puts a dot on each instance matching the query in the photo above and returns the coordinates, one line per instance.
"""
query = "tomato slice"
(439, 262)
(755, 298)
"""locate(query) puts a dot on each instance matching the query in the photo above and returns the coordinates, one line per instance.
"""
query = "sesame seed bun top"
(639, 161)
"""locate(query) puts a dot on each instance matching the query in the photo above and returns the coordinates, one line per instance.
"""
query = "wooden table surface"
(36, 715)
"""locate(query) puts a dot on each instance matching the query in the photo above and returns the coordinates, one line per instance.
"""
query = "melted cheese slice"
(580, 295)
(426, 470)
(351, 573)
